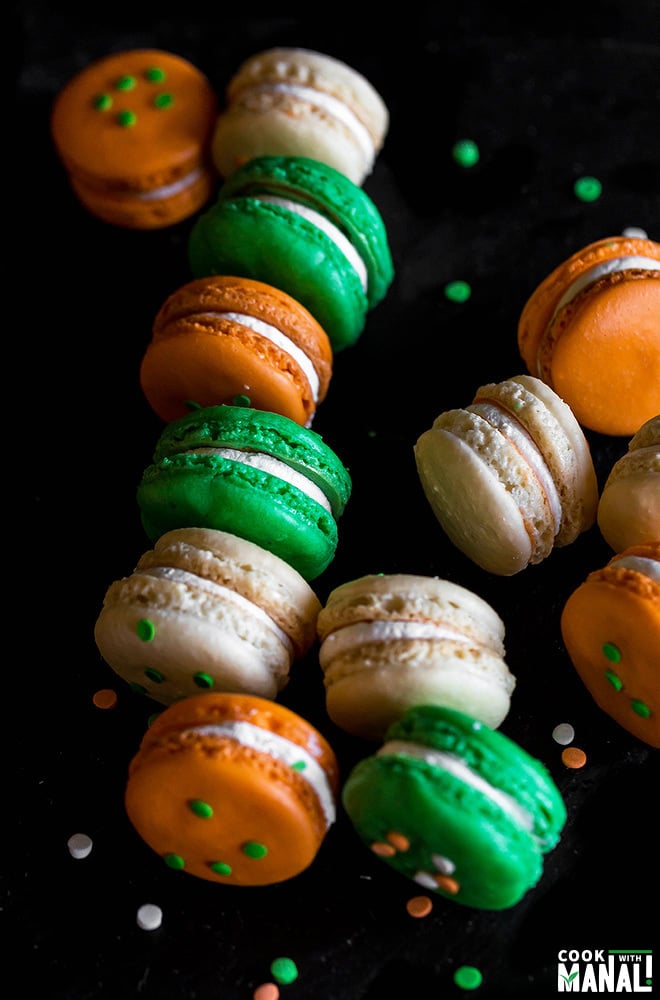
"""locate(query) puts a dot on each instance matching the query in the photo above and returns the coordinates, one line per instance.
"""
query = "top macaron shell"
(303, 227)
(133, 132)
(591, 331)
(297, 102)
(192, 484)
(218, 338)
(629, 505)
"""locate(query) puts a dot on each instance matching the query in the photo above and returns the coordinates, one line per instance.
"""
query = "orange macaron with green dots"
(611, 629)
(234, 789)
(132, 130)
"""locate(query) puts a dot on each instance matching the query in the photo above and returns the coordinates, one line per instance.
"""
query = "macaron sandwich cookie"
(221, 338)
(251, 473)
(297, 102)
(234, 789)
(456, 807)
(133, 132)
(510, 476)
(629, 506)
(391, 641)
(303, 227)
(206, 611)
(611, 629)
(591, 331)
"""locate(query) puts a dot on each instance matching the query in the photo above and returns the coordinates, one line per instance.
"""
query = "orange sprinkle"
(419, 906)
(573, 757)
(448, 884)
(105, 698)
(267, 991)
(398, 840)
(383, 850)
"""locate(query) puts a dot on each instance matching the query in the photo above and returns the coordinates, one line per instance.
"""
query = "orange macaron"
(133, 131)
(591, 330)
(221, 339)
(234, 789)
(611, 629)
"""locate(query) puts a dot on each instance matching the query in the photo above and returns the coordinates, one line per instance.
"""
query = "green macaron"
(252, 473)
(457, 807)
(305, 228)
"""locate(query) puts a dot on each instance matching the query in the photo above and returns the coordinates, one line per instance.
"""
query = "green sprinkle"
(614, 680)
(102, 102)
(154, 675)
(174, 861)
(163, 101)
(640, 708)
(611, 652)
(145, 630)
(242, 401)
(467, 977)
(154, 74)
(587, 188)
(299, 765)
(203, 680)
(252, 849)
(284, 970)
(126, 119)
(192, 405)
(137, 688)
(220, 868)
(465, 152)
(201, 809)
(458, 291)
(125, 83)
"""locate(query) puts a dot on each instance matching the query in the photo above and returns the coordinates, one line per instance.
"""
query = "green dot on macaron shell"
(126, 82)
(611, 652)
(203, 680)
(174, 861)
(242, 401)
(614, 680)
(126, 119)
(154, 675)
(154, 74)
(145, 629)
(299, 765)
(163, 101)
(200, 808)
(220, 867)
(137, 688)
(640, 708)
(253, 849)
(102, 102)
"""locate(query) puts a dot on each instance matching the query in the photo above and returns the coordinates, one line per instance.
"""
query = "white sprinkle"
(149, 917)
(443, 864)
(80, 845)
(563, 733)
(634, 232)
(426, 880)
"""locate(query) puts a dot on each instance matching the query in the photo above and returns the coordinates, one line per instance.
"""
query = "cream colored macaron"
(389, 642)
(205, 610)
(510, 476)
(629, 507)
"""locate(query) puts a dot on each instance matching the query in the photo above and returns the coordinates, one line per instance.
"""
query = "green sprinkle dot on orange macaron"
(145, 630)
(284, 970)
(220, 868)
(467, 977)
(611, 652)
(614, 680)
(126, 119)
(174, 861)
(125, 82)
(203, 680)
(242, 401)
(253, 849)
(163, 101)
(200, 808)
(640, 708)
(102, 102)
(154, 74)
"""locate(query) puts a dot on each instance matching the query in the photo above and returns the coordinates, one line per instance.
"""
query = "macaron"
(391, 641)
(457, 807)
(591, 331)
(629, 506)
(234, 789)
(305, 228)
(297, 102)
(220, 338)
(206, 611)
(133, 133)
(610, 626)
(251, 473)
(509, 477)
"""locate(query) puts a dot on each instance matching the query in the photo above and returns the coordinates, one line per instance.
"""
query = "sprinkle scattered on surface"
(267, 991)
(635, 232)
(105, 698)
(419, 906)
(80, 845)
(149, 917)
(467, 977)
(284, 970)
(573, 757)
(465, 152)
(563, 733)
(457, 291)
(587, 188)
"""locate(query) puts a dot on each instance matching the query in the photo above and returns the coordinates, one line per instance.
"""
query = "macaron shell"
(629, 506)
(611, 629)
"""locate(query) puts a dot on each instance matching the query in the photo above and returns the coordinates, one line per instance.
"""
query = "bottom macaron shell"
(440, 833)
(612, 636)
(223, 813)
(139, 210)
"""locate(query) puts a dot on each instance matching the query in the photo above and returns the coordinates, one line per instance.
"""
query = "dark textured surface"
(548, 95)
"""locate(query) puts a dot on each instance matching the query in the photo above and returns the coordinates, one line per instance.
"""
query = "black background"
(549, 94)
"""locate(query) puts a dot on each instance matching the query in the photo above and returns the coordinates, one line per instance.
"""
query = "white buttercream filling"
(458, 769)
(345, 640)
(522, 440)
(169, 190)
(606, 267)
(276, 337)
(640, 564)
(224, 593)
(265, 741)
(273, 466)
(331, 105)
(329, 228)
